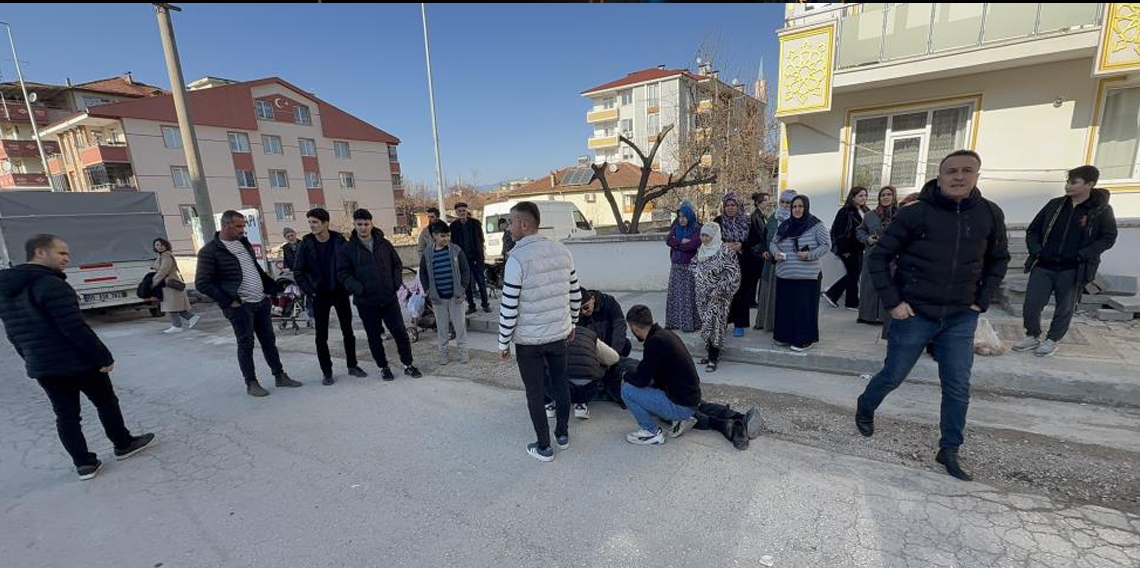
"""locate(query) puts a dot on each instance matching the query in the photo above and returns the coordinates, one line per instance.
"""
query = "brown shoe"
(254, 389)
(283, 380)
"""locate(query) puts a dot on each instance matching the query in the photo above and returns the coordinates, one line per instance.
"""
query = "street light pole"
(28, 105)
(431, 101)
(185, 123)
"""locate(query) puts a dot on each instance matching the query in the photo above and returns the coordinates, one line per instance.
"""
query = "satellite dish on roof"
(613, 168)
(32, 97)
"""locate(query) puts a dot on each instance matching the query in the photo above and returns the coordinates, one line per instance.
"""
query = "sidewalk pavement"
(1097, 362)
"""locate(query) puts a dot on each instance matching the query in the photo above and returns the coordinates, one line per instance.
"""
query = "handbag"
(175, 284)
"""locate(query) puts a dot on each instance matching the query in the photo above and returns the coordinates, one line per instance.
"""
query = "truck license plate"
(104, 296)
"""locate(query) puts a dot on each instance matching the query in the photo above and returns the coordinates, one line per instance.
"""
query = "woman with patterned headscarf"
(798, 245)
(766, 314)
(684, 240)
(717, 277)
(876, 221)
(734, 225)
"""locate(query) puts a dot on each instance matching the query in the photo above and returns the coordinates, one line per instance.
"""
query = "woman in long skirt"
(799, 244)
(684, 240)
(871, 309)
(766, 314)
(718, 277)
(734, 226)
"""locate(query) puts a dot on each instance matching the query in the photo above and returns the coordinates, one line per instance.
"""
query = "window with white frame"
(271, 144)
(307, 146)
(188, 212)
(653, 124)
(626, 153)
(350, 207)
(397, 181)
(171, 137)
(239, 142)
(341, 150)
(627, 127)
(392, 157)
(94, 101)
(347, 180)
(1116, 138)
(312, 180)
(903, 148)
(284, 211)
(627, 97)
(264, 110)
(608, 103)
(301, 115)
(246, 179)
(591, 198)
(651, 98)
(278, 179)
(181, 176)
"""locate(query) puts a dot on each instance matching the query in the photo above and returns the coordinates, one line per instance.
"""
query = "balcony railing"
(874, 33)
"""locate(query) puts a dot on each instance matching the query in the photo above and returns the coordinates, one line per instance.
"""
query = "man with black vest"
(591, 367)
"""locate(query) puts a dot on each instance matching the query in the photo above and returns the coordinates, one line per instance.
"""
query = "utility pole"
(431, 101)
(28, 105)
(185, 123)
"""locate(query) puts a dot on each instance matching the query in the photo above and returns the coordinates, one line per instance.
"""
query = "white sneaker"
(798, 349)
(173, 329)
(193, 321)
(645, 438)
(678, 427)
(550, 410)
(829, 301)
(581, 411)
(1027, 344)
(1047, 348)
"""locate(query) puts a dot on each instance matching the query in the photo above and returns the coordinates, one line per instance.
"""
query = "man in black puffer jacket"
(369, 268)
(42, 320)
(951, 253)
(229, 273)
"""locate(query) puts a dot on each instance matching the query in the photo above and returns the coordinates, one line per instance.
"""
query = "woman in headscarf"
(718, 277)
(874, 223)
(766, 314)
(684, 240)
(847, 247)
(798, 245)
(734, 226)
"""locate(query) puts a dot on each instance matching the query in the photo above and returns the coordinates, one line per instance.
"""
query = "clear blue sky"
(507, 77)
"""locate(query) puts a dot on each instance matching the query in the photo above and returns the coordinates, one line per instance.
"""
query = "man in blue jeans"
(665, 383)
(951, 253)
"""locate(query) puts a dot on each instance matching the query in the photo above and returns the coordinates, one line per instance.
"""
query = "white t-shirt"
(250, 290)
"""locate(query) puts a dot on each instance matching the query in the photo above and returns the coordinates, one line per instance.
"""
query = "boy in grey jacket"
(445, 276)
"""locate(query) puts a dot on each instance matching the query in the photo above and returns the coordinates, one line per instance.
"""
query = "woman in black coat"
(845, 245)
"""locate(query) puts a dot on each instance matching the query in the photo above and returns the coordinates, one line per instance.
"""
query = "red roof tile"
(627, 176)
(642, 76)
(120, 86)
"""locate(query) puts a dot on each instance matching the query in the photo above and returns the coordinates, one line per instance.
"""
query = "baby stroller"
(288, 305)
(415, 304)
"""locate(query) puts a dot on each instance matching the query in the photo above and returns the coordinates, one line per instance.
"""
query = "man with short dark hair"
(315, 273)
(369, 268)
(538, 313)
(425, 240)
(951, 251)
(602, 313)
(467, 234)
(1065, 241)
(229, 273)
(444, 274)
(61, 352)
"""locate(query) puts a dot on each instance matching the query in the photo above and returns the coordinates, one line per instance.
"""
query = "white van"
(559, 220)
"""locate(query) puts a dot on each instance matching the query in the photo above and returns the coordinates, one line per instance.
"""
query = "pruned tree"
(690, 176)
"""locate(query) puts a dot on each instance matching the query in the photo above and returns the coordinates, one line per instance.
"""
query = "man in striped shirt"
(538, 313)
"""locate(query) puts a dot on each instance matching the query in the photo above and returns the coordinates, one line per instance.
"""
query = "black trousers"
(249, 320)
(375, 319)
(1044, 282)
(848, 286)
(536, 363)
(478, 280)
(739, 311)
(719, 417)
(63, 392)
(323, 302)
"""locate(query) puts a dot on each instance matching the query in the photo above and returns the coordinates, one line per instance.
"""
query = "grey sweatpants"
(450, 311)
(1043, 283)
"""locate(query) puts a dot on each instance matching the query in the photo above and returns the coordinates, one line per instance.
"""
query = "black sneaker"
(285, 381)
(89, 471)
(563, 442)
(357, 372)
(753, 423)
(949, 458)
(386, 374)
(739, 434)
(470, 310)
(486, 308)
(328, 380)
(864, 421)
(412, 371)
(546, 455)
(137, 445)
(254, 389)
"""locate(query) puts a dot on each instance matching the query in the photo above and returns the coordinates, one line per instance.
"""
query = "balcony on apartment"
(16, 112)
(24, 181)
(602, 114)
(110, 177)
(892, 43)
(10, 149)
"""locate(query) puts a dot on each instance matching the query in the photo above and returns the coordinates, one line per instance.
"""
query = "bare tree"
(646, 193)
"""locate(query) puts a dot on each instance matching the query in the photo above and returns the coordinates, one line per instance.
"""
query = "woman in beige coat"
(174, 302)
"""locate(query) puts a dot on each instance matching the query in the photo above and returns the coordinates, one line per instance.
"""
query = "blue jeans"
(645, 403)
(953, 340)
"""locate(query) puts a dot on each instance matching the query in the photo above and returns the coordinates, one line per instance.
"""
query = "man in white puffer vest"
(538, 312)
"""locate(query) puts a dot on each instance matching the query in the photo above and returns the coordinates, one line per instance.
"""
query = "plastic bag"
(416, 306)
(986, 340)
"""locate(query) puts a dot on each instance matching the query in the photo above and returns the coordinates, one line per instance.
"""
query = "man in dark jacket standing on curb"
(314, 269)
(467, 234)
(951, 252)
(42, 320)
(369, 268)
(1065, 241)
(228, 272)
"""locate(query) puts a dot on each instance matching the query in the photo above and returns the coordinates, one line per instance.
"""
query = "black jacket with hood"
(42, 320)
(1096, 222)
(219, 273)
(372, 277)
(949, 254)
(309, 269)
